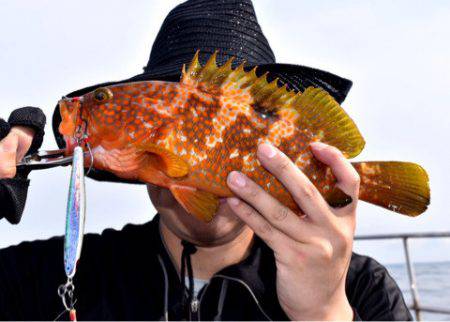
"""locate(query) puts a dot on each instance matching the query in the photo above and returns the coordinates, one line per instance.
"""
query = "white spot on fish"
(245, 158)
(196, 156)
(280, 130)
(263, 140)
(211, 141)
(226, 116)
(202, 156)
(370, 169)
(249, 162)
(299, 161)
(162, 109)
(234, 154)
(395, 208)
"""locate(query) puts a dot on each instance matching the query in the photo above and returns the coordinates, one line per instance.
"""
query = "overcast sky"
(396, 52)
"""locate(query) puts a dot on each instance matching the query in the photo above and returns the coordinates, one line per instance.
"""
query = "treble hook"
(66, 292)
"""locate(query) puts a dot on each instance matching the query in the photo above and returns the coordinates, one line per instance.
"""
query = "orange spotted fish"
(187, 136)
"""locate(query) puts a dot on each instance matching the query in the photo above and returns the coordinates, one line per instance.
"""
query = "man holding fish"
(225, 247)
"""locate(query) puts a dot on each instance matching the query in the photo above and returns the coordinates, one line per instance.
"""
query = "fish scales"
(188, 136)
(213, 131)
(202, 128)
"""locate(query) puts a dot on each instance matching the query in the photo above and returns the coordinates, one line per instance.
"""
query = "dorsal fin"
(318, 111)
(314, 110)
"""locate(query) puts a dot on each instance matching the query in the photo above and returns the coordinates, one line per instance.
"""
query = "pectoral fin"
(201, 204)
(172, 165)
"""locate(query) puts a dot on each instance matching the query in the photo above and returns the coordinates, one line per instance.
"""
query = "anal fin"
(201, 204)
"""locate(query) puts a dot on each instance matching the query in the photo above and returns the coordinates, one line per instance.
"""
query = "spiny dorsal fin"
(314, 110)
(232, 82)
(191, 73)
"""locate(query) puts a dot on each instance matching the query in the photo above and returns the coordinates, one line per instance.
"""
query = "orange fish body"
(188, 136)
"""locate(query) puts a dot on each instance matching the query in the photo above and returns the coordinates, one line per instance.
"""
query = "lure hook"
(66, 293)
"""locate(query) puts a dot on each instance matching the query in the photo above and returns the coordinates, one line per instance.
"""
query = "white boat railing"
(410, 268)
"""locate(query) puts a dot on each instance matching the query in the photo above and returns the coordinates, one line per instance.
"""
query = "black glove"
(13, 192)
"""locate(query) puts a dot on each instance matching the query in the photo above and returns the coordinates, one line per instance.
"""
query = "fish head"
(79, 113)
(70, 110)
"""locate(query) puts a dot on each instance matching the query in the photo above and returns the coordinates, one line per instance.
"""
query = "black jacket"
(128, 275)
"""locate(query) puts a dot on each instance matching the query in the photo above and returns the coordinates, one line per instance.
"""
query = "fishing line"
(91, 155)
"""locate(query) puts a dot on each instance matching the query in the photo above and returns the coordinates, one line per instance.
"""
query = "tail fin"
(398, 186)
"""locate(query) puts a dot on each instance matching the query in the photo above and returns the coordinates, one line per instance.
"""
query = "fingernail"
(318, 145)
(233, 201)
(267, 150)
(237, 179)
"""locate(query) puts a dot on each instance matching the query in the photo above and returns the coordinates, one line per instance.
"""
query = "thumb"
(8, 152)
(25, 137)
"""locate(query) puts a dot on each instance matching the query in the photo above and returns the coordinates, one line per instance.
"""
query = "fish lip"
(70, 145)
(72, 99)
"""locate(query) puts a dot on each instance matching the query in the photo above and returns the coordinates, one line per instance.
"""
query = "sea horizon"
(432, 282)
(419, 262)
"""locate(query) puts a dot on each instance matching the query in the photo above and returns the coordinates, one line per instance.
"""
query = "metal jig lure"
(73, 239)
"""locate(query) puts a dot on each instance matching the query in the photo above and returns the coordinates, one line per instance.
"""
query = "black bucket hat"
(229, 27)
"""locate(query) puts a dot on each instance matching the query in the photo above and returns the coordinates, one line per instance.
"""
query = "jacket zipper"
(193, 312)
(195, 305)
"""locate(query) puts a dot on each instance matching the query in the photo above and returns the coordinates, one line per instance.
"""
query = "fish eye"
(102, 95)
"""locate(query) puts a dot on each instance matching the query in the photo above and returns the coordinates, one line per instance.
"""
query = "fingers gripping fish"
(187, 136)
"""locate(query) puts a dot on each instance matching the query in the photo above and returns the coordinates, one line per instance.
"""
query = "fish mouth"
(71, 143)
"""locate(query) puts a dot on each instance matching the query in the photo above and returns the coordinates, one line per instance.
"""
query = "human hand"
(22, 134)
(312, 252)
(13, 148)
